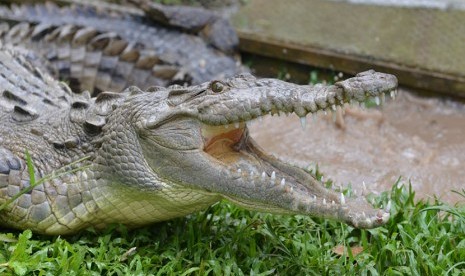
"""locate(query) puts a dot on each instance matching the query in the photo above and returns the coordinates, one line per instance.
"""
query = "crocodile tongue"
(265, 183)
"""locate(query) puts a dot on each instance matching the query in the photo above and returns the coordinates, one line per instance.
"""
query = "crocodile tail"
(91, 60)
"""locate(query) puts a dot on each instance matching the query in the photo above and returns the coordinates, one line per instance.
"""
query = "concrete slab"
(424, 45)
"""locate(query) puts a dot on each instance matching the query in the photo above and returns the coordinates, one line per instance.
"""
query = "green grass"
(420, 239)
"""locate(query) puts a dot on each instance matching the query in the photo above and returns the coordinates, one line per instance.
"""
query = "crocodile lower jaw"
(262, 174)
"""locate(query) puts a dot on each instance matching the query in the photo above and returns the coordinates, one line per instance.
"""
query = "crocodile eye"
(217, 86)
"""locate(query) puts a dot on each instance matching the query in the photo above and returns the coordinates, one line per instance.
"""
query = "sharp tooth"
(263, 176)
(363, 214)
(324, 201)
(343, 199)
(239, 170)
(364, 186)
(393, 95)
(388, 206)
(283, 182)
(273, 176)
(333, 203)
(314, 197)
(236, 124)
(377, 100)
(303, 122)
(333, 107)
(291, 189)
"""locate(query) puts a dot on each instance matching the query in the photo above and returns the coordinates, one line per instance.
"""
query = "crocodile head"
(196, 138)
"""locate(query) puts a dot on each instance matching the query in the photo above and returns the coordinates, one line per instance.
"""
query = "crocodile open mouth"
(245, 174)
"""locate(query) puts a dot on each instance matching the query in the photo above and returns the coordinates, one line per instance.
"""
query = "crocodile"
(103, 47)
(155, 154)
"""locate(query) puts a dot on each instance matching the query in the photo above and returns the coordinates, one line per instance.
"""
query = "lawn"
(421, 239)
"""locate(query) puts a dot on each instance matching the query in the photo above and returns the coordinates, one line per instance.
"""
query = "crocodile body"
(103, 48)
(161, 153)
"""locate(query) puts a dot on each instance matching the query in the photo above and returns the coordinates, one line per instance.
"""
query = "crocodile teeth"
(377, 100)
(343, 200)
(393, 94)
(324, 201)
(263, 176)
(236, 124)
(239, 171)
(273, 176)
(364, 188)
(303, 122)
(283, 182)
(388, 206)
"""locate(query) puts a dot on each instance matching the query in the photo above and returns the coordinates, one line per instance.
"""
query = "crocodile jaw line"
(272, 185)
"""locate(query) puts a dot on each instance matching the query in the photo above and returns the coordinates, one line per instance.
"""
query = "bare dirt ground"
(418, 139)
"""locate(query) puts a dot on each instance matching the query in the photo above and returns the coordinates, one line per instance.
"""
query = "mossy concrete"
(428, 39)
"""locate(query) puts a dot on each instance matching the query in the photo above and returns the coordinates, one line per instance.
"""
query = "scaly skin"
(103, 49)
(162, 153)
